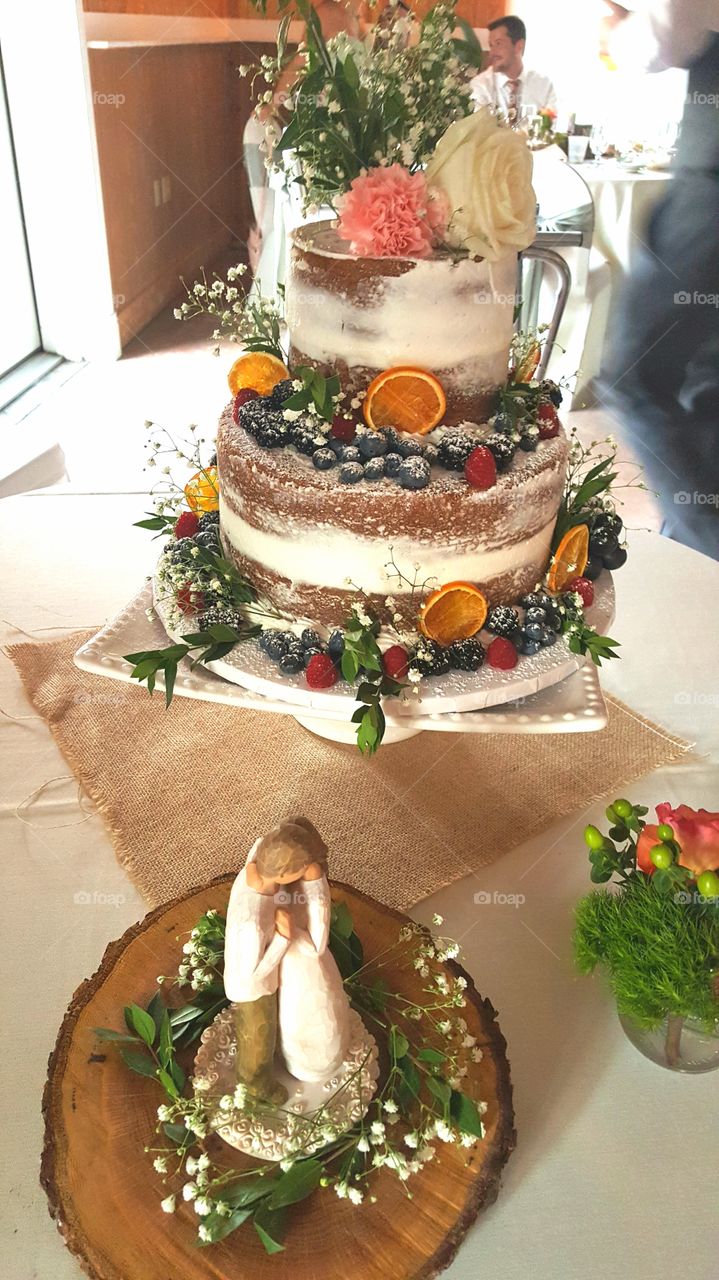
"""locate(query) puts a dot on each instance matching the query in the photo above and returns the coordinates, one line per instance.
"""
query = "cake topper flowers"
(391, 213)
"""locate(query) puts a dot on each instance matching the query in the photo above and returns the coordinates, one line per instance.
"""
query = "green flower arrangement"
(422, 1097)
(657, 934)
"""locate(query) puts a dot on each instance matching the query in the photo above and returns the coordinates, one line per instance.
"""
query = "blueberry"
(336, 445)
(408, 447)
(308, 654)
(531, 600)
(291, 663)
(547, 638)
(336, 645)
(310, 639)
(609, 520)
(431, 453)
(392, 463)
(554, 619)
(414, 473)
(535, 614)
(535, 631)
(351, 473)
(371, 444)
(528, 646)
(503, 422)
(374, 469)
(615, 559)
(264, 640)
(324, 459)
(350, 453)
(529, 443)
(275, 645)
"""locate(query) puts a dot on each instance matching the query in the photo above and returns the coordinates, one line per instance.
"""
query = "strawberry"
(343, 429)
(584, 588)
(242, 397)
(321, 672)
(502, 654)
(189, 600)
(395, 662)
(548, 421)
(186, 525)
(480, 468)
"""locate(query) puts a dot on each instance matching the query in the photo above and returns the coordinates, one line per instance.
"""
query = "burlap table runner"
(184, 792)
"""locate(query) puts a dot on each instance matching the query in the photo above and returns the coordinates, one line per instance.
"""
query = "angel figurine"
(286, 990)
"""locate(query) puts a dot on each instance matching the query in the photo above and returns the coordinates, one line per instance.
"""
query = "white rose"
(485, 173)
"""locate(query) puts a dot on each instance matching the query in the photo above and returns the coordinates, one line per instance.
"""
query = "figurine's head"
(285, 853)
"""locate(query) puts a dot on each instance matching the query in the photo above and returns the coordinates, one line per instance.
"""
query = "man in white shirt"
(507, 86)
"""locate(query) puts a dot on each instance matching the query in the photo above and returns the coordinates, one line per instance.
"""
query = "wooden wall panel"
(478, 12)
(176, 112)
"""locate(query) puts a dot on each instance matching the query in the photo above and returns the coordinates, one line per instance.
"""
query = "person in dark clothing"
(661, 377)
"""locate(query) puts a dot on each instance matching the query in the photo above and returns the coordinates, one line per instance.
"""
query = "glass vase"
(679, 1044)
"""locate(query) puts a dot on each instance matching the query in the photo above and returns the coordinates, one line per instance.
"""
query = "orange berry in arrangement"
(405, 398)
(203, 490)
(258, 371)
(453, 612)
(570, 559)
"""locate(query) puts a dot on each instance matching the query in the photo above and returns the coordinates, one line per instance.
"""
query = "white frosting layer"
(440, 315)
(327, 557)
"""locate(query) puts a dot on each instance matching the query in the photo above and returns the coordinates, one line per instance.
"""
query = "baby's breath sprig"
(247, 319)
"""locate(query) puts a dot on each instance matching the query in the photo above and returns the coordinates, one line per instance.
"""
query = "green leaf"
(138, 1062)
(143, 1024)
(168, 1083)
(154, 523)
(411, 1085)
(350, 666)
(165, 1050)
(433, 1056)
(156, 1008)
(170, 677)
(342, 919)
(439, 1089)
(178, 1134)
(296, 1184)
(247, 1191)
(465, 1115)
(105, 1033)
(398, 1043)
(270, 1227)
(219, 1226)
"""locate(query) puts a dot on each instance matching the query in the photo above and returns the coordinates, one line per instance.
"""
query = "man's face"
(504, 56)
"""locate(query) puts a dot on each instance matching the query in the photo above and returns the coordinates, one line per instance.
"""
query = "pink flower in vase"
(390, 213)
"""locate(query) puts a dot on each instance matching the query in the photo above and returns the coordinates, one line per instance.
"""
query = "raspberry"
(343, 429)
(548, 421)
(189, 600)
(321, 672)
(243, 397)
(502, 654)
(395, 662)
(584, 588)
(480, 468)
(186, 525)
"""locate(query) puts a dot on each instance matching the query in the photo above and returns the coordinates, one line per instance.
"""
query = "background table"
(612, 1174)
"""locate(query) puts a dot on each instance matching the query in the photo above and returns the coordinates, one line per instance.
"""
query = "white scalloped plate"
(574, 704)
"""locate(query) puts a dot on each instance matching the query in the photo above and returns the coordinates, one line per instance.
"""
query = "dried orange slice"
(570, 559)
(256, 370)
(405, 398)
(203, 491)
(453, 612)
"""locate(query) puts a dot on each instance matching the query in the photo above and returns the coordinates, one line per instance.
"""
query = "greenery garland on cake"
(422, 1099)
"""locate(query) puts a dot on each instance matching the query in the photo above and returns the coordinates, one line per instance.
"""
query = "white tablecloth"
(612, 1172)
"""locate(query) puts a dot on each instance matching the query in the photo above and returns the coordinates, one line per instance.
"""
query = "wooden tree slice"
(104, 1193)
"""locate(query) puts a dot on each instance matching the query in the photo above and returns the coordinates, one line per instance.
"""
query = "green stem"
(673, 1039)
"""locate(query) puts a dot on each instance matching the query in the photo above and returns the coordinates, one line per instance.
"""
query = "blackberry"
(180, 550)
(253, 414)
(207, 520)
(392, 463)
(324, 459)
(408, 447)
(336, 645)
(502, 620)
(208, 538)
(414, 473)
(453, 450)
(291, 663)
(351, 473)
(219, 614)
(374, 469)
(371, 444)
(552, 392)
(350, 453)
(502, 450)
(213, 460)
(466, 655)
(303, 441)
(271, 433)
(430, 659)
(310, 639)
(282, 391)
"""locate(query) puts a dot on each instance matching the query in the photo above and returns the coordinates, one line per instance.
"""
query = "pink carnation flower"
(390, 213)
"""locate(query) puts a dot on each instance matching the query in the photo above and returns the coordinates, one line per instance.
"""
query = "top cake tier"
(360, 316)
